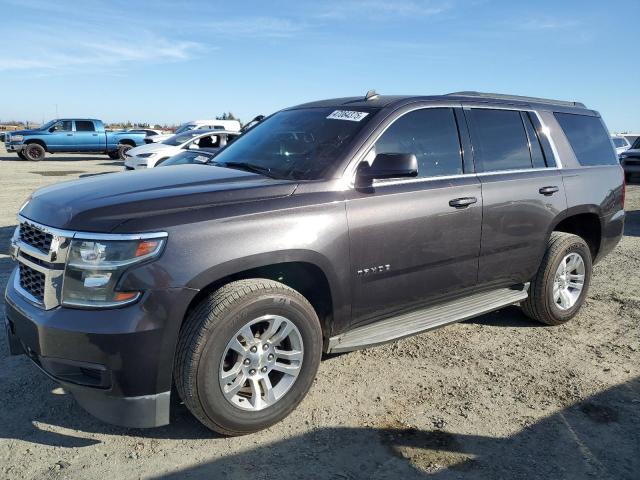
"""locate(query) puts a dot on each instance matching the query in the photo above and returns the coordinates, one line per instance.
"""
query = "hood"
(101, 202)
(150, 148)
(23, 132)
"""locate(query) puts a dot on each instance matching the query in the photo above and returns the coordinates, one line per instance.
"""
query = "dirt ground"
(494, 397)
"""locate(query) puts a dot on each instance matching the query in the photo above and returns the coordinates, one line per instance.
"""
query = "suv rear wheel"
(247, 356)
(559, 288)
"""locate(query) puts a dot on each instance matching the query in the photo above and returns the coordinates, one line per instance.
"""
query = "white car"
(621, 143)
(148, 156)
(227, 125)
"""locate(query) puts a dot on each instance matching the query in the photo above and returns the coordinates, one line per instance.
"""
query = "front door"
(414, 240)
(61, 138)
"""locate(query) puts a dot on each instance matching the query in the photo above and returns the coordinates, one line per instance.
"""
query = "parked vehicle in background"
(328, 227)
(227, 125)
(146, 156)
(188, 157)
(71, 135)
(630, 160)
(620, 143)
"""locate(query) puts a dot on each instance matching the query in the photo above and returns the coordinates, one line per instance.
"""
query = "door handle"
(463, 202)
(548, 190)
(94, 134)
(69, 134)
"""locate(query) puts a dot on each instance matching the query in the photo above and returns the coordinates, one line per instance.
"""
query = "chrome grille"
(41, 253)
(31, 235)
(32, 281)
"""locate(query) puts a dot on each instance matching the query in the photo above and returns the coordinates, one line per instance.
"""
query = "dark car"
(630, 160)
(327, 227)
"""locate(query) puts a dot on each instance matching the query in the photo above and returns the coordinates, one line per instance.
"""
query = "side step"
(429, 318)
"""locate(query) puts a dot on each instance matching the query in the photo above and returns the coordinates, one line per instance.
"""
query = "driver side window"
(431, 134)
(62, 126)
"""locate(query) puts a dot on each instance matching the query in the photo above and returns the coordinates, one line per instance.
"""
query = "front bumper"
(14, 147)
(134, 163)
(117, 363)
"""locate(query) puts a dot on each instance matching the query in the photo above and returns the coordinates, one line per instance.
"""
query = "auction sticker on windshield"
(350, 115)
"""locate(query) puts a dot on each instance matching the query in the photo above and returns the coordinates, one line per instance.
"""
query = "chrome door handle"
(463, 202)
(548, 190)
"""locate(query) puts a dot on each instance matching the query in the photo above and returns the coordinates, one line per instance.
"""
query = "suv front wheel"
(247, 355)
(559, 288)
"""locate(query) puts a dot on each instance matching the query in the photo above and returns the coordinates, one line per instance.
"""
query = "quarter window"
(588, 138)
(431, 134)
(84, 126)
(499, 140)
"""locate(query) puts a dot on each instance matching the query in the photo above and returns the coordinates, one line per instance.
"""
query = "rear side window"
(588, 138)
(499, 140)
(84, 126)
(432, 135)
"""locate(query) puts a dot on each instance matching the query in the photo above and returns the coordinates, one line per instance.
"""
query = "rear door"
(522, 192)
(87, 138)
(410, 243)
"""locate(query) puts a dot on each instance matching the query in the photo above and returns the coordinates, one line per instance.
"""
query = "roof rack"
(517, 98)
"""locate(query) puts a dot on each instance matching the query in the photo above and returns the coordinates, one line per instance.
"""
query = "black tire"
(114, 155)
(122, 149)
(34, 152)
(540, 305)
(21, 155)
(203, 342)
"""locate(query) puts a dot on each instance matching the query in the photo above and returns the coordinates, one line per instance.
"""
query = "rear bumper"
(117, 363)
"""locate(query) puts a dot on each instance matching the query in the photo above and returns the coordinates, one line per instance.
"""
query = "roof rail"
(517, 98)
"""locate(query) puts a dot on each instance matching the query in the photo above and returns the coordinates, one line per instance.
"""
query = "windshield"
(47, 125)
(619, 142)
(185, 128)
(297, 144)
(176, 140)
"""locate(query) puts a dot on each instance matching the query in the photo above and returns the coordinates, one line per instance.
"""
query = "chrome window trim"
(350, 171)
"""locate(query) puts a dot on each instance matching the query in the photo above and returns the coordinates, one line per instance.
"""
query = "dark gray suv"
(327, 227)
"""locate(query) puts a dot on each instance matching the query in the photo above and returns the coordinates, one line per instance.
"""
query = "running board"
(429, 318)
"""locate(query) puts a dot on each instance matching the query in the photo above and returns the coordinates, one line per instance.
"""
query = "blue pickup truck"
(71, 135)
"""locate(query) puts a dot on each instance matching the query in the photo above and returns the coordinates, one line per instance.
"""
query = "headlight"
(145, 155)
(17, 138)
(94, 268)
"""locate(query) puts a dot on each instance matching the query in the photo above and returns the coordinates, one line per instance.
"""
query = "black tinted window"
(588, 138)
(537, 155)
(499, 140)
(84, 126)
(432, 135)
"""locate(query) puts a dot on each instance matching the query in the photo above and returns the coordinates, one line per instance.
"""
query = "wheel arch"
(306, 272)
(585, 222)
(38, 141)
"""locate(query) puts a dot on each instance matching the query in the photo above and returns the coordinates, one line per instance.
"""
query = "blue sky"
(170, 61)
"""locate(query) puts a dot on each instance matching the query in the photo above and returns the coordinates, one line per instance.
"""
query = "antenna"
(371, 95)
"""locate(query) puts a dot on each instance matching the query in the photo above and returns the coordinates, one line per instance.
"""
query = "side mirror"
(387, 165)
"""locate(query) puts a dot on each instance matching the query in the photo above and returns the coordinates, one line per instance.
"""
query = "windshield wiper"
(247, 167)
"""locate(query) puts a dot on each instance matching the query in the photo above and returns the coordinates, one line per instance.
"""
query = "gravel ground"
(494, 397)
